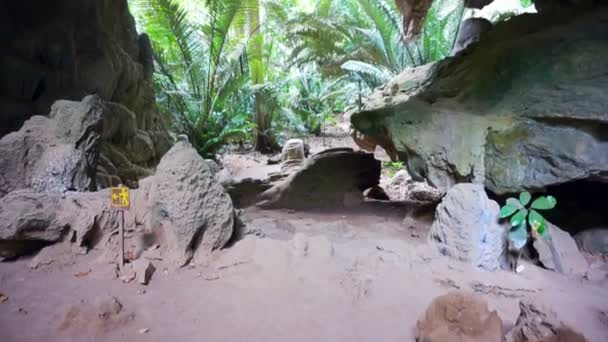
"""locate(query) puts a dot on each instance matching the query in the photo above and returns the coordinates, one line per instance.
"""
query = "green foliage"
(525, 3)
(522, 217)
(363, 38)
(238, 69)
(393, 167)
(200, 69)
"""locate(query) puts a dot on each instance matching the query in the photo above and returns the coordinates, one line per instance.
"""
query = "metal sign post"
(120, 201)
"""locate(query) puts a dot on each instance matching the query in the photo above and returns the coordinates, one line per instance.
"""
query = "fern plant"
(525, 220)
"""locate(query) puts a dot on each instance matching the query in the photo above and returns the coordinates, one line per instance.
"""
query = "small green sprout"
(521, 216)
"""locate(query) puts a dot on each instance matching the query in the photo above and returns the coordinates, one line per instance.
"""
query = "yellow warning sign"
(119, 198)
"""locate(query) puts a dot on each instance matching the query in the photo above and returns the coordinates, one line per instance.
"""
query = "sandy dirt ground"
(358, 275)
(341, 276)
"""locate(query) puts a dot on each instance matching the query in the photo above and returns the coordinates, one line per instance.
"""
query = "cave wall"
(69, 49)
(525, 108)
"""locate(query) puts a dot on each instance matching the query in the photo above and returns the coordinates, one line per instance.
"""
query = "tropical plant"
(201, 76)
(393, 167)
(526, 222)
(365, 40)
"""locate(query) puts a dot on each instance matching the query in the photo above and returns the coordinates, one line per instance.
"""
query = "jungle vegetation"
(258, 71)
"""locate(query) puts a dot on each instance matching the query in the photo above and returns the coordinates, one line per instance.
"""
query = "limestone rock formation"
(333, 178)
(561, 253)
(459, 317)
(182, 203)
(292, 155)
(188, 204)
(593, 240)
(536, 323)
(66, 50)
(32, 219)
(470, 32)
(466, 227)
(493, 115)
(78, 147)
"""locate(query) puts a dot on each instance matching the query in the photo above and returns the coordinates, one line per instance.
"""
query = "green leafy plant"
(393, 167)
(525, 219)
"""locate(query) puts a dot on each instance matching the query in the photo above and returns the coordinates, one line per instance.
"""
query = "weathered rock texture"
(185, 200)
(66, 50)
(560, 254)
(292, 155)
(536, 323)
(470, 32)
(182, 204)
(80, 146)
(524, 108)
(459, 317)
(593, 240)
(466, 227)
(332, 178)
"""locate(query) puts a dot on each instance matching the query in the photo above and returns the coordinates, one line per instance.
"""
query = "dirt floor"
(358, 275)
(310, 277)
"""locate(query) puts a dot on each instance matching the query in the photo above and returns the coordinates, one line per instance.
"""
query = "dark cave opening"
(581, 205)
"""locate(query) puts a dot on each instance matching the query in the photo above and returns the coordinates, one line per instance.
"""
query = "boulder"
(80, 146)
(29, 221)
(186, 202)
(593, 240)
(466, 228)
(245, 192)
(470, 32)
(183, 203)
(332, 178)
(377, 193)
(292, 155)
(561, 253)
(68, 49)
(492, 115)
(537, 323)
(459, 317)
(421, 192)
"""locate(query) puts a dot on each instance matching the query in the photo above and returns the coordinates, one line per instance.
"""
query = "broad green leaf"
(519, 236)
(514, 202)
(544, 203)
(507, 211)
(545, 233)
(519, 218)
(536, 219)
(524, 198)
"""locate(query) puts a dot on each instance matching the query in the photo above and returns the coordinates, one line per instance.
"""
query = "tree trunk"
(262, 116)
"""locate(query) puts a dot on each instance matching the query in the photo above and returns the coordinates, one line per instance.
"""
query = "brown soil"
(358, 275)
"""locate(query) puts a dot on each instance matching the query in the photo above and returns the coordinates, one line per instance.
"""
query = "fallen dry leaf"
(3, 298)
(82, 274)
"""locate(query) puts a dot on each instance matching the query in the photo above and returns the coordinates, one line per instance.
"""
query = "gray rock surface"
(188, 204)
(80, 146)
(69, 49)
(593, 240)
(292, 155)
(493, 115)
(332, 178)
(537, 323)
(470, 32)
(182, 202)
(561, 254)
(466, 227)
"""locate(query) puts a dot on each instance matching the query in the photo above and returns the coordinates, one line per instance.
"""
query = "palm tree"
(201, 68)
(366, 39)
